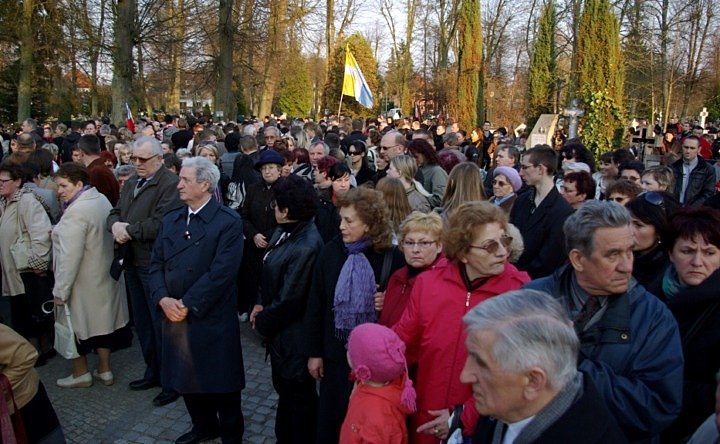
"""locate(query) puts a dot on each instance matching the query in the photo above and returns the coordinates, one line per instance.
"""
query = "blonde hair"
(465, 184)
(396, 200)
(430, 223)
(407, 167)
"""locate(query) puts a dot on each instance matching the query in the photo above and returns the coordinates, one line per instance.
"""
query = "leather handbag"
(65, 341)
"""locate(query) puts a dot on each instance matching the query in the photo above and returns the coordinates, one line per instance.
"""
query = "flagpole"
(340, 107)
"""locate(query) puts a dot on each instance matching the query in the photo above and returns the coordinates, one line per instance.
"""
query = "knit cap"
(377, 354)
(512, 176)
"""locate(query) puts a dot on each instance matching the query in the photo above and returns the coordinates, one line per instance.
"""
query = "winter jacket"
(257, 215)
(434, 334)
(375, 415)
(632, 354)
(284, 288)
(701, 185)
(398, 290)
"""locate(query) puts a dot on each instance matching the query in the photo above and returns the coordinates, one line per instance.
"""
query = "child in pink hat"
(383, 395)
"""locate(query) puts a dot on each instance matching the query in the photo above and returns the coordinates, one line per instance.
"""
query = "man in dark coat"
(134, 222)
(629, 342)
(192, 279)
(522, 354)
(694, 177)
(539, 214)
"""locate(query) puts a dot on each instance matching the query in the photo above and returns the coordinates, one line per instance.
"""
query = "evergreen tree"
(543, 72)
(296, 89)
(360, 48)
(601, 75)
(470, 63)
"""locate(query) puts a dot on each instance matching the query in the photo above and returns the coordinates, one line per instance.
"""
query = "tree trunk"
(224, 97)
(144, 101)
(124, 32)
(27, 77)
(177, 11)
(277, 23)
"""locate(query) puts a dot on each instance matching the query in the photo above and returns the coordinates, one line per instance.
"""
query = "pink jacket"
(434, 334)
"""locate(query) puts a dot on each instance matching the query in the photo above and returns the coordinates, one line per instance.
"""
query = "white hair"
(531, 329)
(205, 171)
(250, 130)
(155, 146)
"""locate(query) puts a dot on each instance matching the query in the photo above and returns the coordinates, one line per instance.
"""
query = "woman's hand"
(438, 427)
(58, 301)
(379, 298)
(315, 367)
(256, 309)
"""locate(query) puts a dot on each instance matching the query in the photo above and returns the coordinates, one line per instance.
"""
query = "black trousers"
(296, 418)
(335, 390)
(217, 412)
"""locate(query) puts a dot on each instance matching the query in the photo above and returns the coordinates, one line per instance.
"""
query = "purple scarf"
(76, 196)
(354, 303)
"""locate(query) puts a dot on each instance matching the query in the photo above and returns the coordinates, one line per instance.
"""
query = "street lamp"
(573, 112)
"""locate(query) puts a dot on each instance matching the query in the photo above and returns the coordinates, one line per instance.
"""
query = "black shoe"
(193, 437)
(142, 384)
(165, 397)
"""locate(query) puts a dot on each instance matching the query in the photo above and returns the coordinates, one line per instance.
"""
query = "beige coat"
(82, 255)
(17, 359)
(35, 223)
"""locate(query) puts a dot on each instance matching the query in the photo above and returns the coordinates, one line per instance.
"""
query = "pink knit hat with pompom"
(378, 355)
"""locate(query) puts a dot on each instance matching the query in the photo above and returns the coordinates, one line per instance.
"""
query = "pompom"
(362, 373)
(408, 395)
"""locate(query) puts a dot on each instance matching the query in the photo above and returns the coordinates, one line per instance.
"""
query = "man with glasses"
(272, 134)
(694, 177)
(134, 222)
(540, 213)
(629, 341)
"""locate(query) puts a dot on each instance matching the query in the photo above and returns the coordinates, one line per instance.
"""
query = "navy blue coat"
(633, 355)
(201, 354)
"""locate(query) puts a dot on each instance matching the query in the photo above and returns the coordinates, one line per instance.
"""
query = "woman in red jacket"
(421, 243)
(477, 246)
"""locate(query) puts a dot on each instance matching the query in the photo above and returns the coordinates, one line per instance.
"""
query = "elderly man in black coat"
(192, 278)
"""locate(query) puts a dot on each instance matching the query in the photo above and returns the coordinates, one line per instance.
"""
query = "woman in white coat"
(82, 255)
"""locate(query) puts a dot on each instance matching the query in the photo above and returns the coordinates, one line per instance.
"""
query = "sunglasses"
(500, 183)
(492, 246)
(353, 153)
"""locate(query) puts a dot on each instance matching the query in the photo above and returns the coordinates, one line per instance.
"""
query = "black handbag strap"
(386, 268)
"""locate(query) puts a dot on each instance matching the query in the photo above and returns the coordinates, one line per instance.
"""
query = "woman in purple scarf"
(349, 272)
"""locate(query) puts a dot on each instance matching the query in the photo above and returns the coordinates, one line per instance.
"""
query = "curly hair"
(464, 224)
(373, 212)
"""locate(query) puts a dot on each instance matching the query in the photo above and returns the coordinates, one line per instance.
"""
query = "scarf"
(671, 284)
(354, 303)
(561, 403)
(76, 196)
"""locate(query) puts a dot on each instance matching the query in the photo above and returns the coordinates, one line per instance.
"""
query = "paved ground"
(115, 414)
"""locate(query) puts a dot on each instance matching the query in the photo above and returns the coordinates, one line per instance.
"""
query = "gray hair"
(124, 170)
(155, 146)
(273, 129)
(249, 130)
(398, 137)
(205, 171)
(580, 227)
(325, 146)
(31, 122)
(531, 329)
(52, 148)
(183, 153)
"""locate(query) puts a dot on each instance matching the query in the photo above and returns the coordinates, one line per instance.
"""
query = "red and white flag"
(130, 120)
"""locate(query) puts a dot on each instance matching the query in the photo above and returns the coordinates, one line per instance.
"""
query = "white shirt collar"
(514, 430)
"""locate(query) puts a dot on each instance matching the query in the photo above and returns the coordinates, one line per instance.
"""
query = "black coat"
(284, 288)
(327, 220)
(542, 232)
(701, 185)
(697, 311)
(648, 268)
(587, 421)
(201, 354)
(257, 214)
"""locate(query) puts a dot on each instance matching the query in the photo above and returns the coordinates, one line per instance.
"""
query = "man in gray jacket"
(134, 222)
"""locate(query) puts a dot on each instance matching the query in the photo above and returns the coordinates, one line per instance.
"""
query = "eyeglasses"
(524, 167)
(492, 246)
(500, 183)
(653, 198)
(387, 147)
(618, 199)
(420, 244)
(6, 180)
(141, 159)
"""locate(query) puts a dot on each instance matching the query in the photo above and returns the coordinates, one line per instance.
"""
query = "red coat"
(375, 416)
(398, 291)
(433, 331)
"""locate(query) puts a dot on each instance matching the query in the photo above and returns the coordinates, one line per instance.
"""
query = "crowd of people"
(475, 290)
